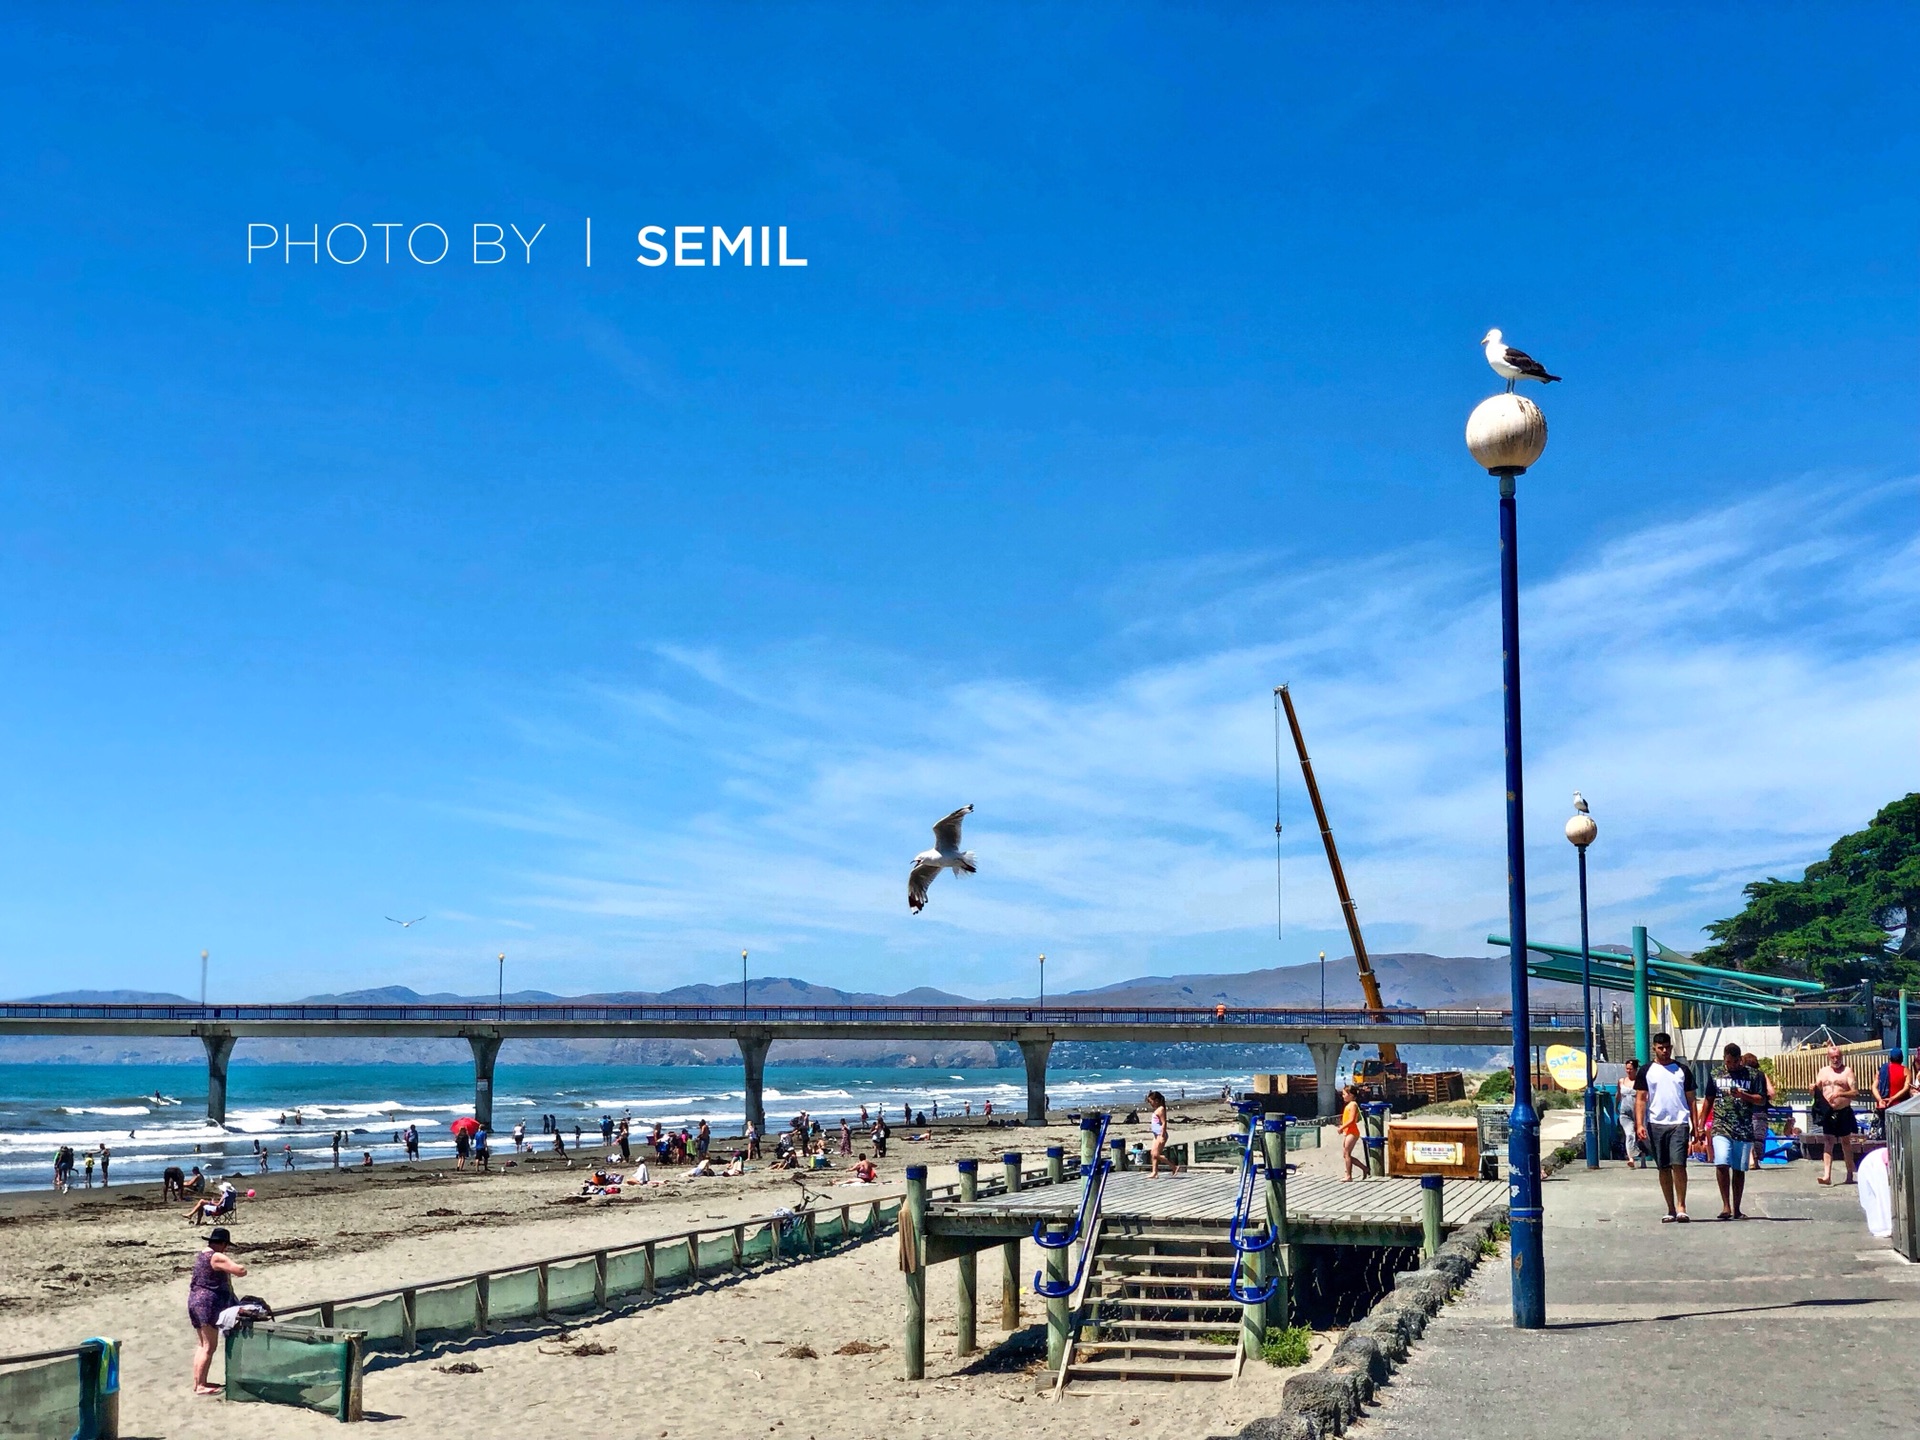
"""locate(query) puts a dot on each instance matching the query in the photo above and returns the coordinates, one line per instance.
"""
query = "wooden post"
(1119, 1148)
(739, 1247)
(600, 1279)
(409, 1335)
(1253, 1313)
(648, 1286)
(813, 1230)
(916, 1337)
(481, 1285)
(1432, 1214)
(1375, 1139)
(326, 1314)
(540, 1290)
(968, 1266)
(1056, 1164)
(693, 1259)
(1010, 1254)
(1058, 1316)
(1273, 1148)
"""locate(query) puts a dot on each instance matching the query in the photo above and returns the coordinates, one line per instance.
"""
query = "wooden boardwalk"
(1321, 1210)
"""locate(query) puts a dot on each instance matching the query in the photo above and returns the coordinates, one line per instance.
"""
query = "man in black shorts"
(1665, 1115)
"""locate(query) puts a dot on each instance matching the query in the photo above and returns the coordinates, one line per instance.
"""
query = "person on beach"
(703, 1140)
(173, 1183)
(519, 1136)
(1833, 1096)
(88, 1165)
(462, 1147)
(1664, 1116)
(286, 1156)
(195, 1184)
(846, 1137)
(1349, 1134)
(106, 1164)
(624, 1138)
(1760, 1109)
(482, 1154)
(1891, 1085)
(336, 1149)
(1629, 1131)
(1733, 1097)
(208, 1293)
(753, 1141)
(879, 1137)
(412, 1138)
(865, 1123)
(1157, 1125)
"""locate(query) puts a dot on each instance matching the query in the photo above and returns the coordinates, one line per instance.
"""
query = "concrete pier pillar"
(1326, 1065)
(219, 1050)
(753, 1051)
(1035, 1053)
(486, 1049)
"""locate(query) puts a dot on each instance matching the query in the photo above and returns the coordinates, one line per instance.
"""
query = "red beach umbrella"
(465, 1123)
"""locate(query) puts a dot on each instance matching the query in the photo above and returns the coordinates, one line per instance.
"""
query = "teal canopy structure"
(1669, 975)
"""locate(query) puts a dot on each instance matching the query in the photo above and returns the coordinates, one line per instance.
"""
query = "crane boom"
(1369, 984)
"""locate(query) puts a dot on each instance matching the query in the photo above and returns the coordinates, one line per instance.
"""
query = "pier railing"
(589, 1012)
(403, 1320)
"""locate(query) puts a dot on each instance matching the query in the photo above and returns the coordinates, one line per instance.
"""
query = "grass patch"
(1287, 1345)
(1220, 1337)
(1491, 1245)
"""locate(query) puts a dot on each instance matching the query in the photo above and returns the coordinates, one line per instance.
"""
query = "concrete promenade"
(1794, 1323)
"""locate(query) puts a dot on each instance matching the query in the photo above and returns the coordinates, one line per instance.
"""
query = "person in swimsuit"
(1835, 1090)
(210, 1292)
(1157, 1121)
(1349, 1134)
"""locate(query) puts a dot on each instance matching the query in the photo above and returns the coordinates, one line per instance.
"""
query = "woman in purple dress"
(210, 1293)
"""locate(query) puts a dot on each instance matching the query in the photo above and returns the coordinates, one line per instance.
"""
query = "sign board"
(1567, 1066)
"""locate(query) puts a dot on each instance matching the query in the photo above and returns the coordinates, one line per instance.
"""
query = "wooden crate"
(1444, 1145)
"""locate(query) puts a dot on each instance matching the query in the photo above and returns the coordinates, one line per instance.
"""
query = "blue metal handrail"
(1243, 1244)
(1095, 1173)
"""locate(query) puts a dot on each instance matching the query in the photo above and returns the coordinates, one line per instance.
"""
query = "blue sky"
(621, 617)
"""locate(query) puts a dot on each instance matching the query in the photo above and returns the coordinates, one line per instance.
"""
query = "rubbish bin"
(1373, 1130)
(1606, 1116)
(1903, 1175)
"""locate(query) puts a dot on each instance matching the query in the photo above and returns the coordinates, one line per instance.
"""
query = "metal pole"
(1043, 982)
(1905, 1054)
(1586, 996)
(203, 979)
(1642, 1030)
(743, 984)
(1523, 1134)
(500, 996)
(1323, 987)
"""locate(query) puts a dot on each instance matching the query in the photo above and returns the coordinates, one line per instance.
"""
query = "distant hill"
(1424, 981)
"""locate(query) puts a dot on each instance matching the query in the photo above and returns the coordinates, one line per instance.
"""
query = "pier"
(1036, 1029)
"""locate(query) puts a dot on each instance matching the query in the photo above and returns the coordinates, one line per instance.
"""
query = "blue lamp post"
(1581, 830)
(1506, 434)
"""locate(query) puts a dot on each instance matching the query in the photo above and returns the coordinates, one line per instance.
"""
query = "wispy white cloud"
(1731, 689)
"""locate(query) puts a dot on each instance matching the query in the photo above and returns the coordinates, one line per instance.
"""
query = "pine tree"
(1839, 922)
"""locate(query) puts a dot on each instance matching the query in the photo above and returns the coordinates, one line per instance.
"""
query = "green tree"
(1853, 916)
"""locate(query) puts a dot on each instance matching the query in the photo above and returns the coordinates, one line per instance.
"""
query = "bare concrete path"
(1791, 1324)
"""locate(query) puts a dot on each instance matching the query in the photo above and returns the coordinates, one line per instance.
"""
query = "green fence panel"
(670, 1263)
(758, 1247)
(299, 1365)
(716, 1254)
(570, 1286)
(827, 1229)
(626, 1273)
(513, 1295)
(384, 1321)
(65, 1397)
(446, 1312)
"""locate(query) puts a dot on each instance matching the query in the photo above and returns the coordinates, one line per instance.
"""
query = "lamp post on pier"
(1581, 830)
(500, 993)
(1506, 434)
(203, 979)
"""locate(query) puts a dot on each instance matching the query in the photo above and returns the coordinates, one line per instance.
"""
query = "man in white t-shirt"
(1665, 1116)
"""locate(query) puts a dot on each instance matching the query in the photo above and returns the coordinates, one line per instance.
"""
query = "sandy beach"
(715, 1362)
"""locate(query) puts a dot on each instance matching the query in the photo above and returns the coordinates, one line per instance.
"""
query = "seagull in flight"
(408, 924)
(1512, 365)
(945, 855)
(1580, 803)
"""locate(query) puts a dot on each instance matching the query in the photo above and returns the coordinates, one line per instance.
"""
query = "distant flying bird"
(1511, 364)
(408, 924)
(945, 855)
(1580, 803)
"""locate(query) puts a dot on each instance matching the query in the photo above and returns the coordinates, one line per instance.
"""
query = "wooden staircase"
(1155, 1306)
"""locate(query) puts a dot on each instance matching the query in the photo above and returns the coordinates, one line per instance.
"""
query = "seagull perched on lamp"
(1580, 803)
(1513, 365)
(945, 855)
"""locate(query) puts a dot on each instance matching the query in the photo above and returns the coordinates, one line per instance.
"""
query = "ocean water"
(153, 1116)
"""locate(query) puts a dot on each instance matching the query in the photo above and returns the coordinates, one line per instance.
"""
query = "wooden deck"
(1321, 1210)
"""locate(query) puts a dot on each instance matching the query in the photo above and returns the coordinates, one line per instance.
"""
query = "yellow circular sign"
(1567, 1066)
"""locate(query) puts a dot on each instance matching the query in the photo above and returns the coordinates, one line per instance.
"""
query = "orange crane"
(1369, 984)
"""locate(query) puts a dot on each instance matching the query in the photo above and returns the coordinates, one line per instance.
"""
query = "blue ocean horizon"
(154, 1115)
